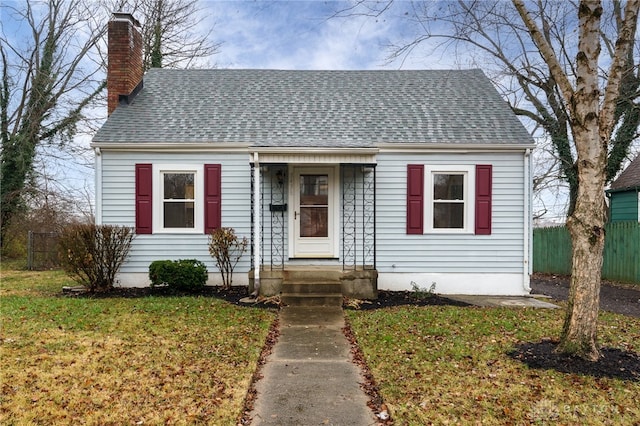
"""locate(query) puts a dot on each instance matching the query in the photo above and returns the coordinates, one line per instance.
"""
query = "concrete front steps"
(311, 294)
(315, 285)
(311, 288)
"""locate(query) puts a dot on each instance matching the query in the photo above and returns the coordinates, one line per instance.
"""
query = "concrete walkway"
(504, 301)
(309, 378)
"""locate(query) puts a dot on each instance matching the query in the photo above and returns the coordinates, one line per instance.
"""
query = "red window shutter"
(212, 197)
(144, 205)
(415, 198)
(483, 199)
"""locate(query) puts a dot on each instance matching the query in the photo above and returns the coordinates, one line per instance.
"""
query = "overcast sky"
(303, 35)
(299, 35)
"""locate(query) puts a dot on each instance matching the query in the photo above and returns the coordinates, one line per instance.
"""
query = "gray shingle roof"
(629, 178)
(315, 109)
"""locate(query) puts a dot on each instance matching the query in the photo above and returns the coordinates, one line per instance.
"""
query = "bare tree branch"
(46, 87)
(172, 32)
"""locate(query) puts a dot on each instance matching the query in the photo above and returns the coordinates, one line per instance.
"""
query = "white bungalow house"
(388, 179)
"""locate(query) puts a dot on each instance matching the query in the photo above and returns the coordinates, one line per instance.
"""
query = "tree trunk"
(586, 224)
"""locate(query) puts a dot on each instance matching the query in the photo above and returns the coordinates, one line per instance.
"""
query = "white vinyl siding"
(500, 252)
(118, 206)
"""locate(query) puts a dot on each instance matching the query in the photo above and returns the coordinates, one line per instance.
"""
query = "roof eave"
(454, 147)
(311, 150)
(249, 147)
(170, 147)
(625, 189)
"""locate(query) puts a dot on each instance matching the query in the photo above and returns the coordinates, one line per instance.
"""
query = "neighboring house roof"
(315, 109)
(629, 178)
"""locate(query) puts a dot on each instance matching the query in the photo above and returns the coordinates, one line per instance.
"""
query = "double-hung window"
(184, 199)
(178, 202)
(449, 194)
(179, 194)
(449, 199)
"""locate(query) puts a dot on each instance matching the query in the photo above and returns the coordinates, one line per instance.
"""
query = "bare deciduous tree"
(592, 112)
(48, 79)
(490, 34)
(53, 68)
(547, 62)
(174, 34)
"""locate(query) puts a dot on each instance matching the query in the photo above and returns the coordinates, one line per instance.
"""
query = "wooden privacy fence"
(552, 251)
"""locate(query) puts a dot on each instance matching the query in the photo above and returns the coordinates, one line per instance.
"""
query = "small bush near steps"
(182, 274)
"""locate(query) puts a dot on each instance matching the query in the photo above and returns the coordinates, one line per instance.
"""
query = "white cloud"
(296, 35)
(303, 35)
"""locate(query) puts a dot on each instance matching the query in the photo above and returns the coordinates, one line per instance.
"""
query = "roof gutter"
(627, 188)
(453, 147)
(250, 148)
(527, 235)
(170, 147)
(311, 150)
(231, 147)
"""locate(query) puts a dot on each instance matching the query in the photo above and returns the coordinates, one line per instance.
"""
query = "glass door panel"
(314, 205)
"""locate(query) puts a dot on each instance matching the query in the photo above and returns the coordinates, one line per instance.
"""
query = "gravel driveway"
(614, 298)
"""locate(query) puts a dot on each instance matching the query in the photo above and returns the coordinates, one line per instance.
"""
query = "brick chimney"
(124, 68)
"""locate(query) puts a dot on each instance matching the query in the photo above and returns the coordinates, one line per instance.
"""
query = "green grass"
(189, 360)
(154, 360)
(449, 365)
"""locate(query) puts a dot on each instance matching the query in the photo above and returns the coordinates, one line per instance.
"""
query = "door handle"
(295, 215)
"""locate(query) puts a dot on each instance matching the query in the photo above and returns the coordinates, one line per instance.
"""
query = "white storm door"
(314, 213)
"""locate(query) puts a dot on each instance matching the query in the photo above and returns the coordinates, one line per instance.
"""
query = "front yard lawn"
(150, 360)
(451, 365)
(189, 360)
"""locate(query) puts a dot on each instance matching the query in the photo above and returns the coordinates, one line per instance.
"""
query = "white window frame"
(469, 174)
(158, 195)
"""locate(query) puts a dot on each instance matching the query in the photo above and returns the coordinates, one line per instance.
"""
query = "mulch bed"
(388, 299)
(614, 363)
(234, 295)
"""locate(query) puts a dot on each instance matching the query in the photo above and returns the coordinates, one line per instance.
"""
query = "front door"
(314, 197)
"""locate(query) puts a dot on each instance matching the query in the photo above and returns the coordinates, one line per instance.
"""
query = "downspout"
(98, 184)
(526, 262)
(257, 238)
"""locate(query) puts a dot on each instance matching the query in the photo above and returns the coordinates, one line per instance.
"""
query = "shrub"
(183, 274)
(92, 254)
(227, 249)
(422, 293)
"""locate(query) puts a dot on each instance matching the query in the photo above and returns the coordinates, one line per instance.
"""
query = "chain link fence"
(42, 250)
